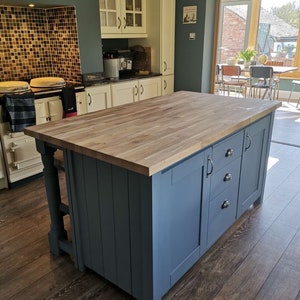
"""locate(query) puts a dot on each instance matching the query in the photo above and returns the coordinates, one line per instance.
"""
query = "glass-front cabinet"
(122, 17)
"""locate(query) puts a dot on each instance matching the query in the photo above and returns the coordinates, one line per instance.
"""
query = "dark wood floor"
(257, 258)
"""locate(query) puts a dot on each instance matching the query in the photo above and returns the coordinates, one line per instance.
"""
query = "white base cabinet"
(149, 88)
(135, 90)
(98, 97)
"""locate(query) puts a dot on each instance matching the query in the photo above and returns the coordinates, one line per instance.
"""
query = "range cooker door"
(48, 109)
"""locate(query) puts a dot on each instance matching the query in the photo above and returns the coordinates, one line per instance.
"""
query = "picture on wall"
(189, 14)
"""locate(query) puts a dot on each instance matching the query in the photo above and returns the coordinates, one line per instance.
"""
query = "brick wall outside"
(233, 35)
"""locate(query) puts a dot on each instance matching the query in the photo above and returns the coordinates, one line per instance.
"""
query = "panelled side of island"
(143, 233)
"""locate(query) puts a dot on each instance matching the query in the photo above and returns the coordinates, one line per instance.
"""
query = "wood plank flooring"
(257, 258)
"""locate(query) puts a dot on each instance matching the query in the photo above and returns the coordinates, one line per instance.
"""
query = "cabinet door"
(98, 97)
(133, 16)
(177, 199)
(110, 17)
(254, 162)
(81, 103)
(167, 36)
(55, 109)
(125, 92)
(167, 85)
(149, 88)
(48, 109)
(41, 111)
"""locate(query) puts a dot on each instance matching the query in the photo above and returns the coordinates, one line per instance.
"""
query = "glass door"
(110, 16)
(233, 30)
(135, 16)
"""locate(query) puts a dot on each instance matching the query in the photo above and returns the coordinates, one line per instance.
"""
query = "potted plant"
(247, 55)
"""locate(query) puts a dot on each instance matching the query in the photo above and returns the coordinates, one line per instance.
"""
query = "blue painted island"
(153, 184)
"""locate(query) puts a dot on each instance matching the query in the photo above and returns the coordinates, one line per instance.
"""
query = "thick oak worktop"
(148, 136)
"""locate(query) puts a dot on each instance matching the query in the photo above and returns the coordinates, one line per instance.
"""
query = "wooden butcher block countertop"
(148, 136)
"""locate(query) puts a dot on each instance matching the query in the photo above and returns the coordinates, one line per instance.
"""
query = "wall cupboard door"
(98, 97)
(122, 17)
(149, 88)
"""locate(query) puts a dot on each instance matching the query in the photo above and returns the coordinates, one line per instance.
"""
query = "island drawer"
(227, 177)
(222, 213)
(227, 150)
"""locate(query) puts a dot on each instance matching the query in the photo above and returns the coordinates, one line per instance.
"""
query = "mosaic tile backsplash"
(38, 42)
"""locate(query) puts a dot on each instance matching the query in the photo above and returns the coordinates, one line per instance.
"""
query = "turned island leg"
(57, 232)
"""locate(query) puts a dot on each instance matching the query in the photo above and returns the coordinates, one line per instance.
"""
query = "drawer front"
(228, 177)
(222, 212)
(228, 150)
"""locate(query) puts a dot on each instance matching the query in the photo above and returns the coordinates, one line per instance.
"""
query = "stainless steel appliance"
(111, 67)
(117, 62)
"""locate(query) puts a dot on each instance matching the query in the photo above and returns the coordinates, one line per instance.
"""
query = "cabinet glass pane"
(103, 18)
(102, 4)
(129, 19)
(112, 19)
(138, 20)
(129, 4)
(138, 5)
(111, 4)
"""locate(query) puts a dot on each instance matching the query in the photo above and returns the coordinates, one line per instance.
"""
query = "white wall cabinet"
(98, 97)
(123, 18)
(161, 39)
(48, 109)
(135, 90)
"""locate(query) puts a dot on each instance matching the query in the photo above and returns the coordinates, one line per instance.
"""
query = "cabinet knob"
(229, 153)
(227, 177)
(120, 23)
(225, 204)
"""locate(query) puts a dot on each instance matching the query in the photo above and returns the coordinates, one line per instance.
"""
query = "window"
(270, 27)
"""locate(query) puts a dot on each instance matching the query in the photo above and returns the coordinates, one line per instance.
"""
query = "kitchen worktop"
(123, 77)
(148, 136)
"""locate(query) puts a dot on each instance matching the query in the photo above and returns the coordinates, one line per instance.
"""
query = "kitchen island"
(153, 184)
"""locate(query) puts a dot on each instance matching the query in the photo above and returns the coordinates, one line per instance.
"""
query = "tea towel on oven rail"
(69, 101)
(19, 111)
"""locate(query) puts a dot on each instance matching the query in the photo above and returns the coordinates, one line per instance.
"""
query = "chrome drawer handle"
(225, 204)
(229, 153)
(227, 177)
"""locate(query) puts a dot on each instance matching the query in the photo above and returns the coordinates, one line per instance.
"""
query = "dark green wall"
(193, 57)
(88, 20)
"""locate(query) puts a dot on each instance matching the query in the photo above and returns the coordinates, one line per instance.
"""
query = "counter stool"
(294, 83)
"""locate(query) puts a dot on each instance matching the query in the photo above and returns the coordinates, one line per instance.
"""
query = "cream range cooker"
(18, 156)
